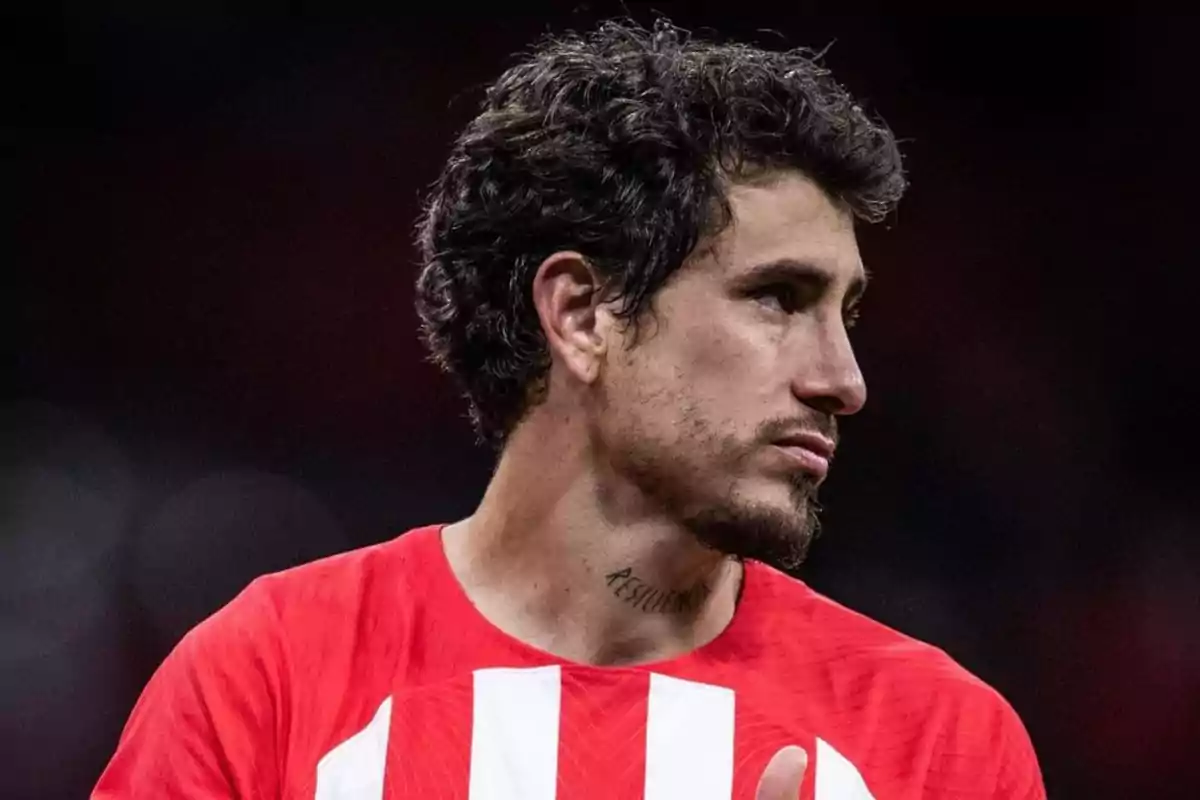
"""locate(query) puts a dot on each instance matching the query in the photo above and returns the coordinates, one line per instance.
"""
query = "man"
(641, 265)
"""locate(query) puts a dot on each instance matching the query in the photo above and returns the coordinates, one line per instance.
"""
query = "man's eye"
(780, 296)
(851, 316)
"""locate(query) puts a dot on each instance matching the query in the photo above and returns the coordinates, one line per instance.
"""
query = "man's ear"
(567, 293)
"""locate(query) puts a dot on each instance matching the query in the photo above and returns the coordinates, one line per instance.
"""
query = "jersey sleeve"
(209, 722)
(982, 749)
(1019, 776)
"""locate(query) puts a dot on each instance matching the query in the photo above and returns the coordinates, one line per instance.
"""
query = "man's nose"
(830, 380)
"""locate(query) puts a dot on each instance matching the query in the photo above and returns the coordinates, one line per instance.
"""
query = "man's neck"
(546, 562)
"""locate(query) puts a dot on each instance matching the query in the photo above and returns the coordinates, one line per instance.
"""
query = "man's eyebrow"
(787, 269)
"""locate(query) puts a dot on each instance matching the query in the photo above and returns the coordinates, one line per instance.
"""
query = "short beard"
(779, 537)
(722, 522)
(759, 532)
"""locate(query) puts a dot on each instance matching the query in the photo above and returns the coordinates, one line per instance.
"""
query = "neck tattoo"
(633, 591)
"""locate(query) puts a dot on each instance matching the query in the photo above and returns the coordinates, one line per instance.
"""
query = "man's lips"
(811, 452)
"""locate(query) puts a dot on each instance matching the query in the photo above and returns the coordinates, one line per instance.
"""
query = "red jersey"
(370, 675)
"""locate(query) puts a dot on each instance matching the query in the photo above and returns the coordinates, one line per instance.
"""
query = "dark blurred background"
(215, 371)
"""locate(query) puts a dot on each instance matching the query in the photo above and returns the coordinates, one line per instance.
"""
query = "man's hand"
(784, 773)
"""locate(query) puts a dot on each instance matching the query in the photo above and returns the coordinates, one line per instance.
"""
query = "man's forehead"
(791, 223)
(786, 196)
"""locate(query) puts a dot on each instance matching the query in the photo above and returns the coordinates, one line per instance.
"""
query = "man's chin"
(776, 535)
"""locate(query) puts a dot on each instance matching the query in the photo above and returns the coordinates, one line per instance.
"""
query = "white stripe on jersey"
(837, 778)
(514, 734)
(514, 744)
(689, 740)
(354, 769)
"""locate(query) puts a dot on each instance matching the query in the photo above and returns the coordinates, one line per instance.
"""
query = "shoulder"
(343, 582)
(810, 625)
(261, 681)
(962, 728)
(295, 623)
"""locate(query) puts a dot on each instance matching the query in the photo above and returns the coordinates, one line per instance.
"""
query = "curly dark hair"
(619, 144)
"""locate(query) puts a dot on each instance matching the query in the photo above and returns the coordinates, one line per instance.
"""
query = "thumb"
(784, 773)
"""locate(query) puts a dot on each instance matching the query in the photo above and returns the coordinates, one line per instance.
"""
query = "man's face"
(719, 410)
